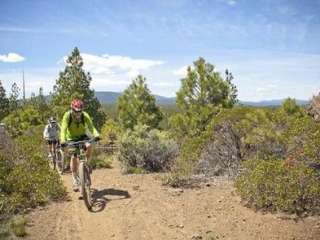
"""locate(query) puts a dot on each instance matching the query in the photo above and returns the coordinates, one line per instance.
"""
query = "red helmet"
(77, 105)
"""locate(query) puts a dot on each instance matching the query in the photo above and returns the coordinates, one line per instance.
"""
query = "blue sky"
(271, 46)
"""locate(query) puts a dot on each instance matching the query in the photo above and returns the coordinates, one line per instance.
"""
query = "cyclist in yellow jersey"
(77, 125)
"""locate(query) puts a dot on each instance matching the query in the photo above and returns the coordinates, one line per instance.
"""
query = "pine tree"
(4, 102)
(137, 106)
(202, 94)
(73, 83)
(204, 86)
(13, 98)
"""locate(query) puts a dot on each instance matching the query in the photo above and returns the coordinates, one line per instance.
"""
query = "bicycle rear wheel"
(85, 184)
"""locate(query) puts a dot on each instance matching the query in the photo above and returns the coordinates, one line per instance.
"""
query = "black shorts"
(54, 142)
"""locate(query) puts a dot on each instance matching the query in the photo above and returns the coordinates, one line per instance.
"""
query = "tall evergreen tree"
(13, 98)
(4, 102)
(73, 83)
(204, 86)
(137, 105)
(202, 94)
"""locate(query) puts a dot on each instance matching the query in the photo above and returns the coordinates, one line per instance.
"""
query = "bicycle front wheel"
(85, 182)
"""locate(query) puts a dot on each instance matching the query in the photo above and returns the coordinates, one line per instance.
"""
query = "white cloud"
(268, 75)
(114, 71)
(267, 88)
(181, 72)
(112, 65)
(265, 91)
(265, 76)
(257, 75)
(11, 57)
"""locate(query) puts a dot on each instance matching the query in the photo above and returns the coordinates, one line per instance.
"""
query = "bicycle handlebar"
(79, 143)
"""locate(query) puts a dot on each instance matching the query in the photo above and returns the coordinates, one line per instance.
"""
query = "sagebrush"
(151, 150)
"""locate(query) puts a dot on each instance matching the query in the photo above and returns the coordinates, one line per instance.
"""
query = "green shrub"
(273, 185)
(18, 226)
(135, 170)
(26, 179)
(192, 144)
(20, 121)
(184, 166)
(260, 137)
(302, 139)
(101, 161)
(151, 150)
(110, 132)
(33, 183)
(4, 230)
(290, 106)
(179, 177)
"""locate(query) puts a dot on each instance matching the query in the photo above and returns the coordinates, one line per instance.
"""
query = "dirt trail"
(139, 207)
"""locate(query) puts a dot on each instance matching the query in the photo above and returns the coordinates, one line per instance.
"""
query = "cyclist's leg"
(49, 147)
(54, 147)
(74, 166)
(88, 151)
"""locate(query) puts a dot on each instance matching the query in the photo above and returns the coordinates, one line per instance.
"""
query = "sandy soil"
(139, 207)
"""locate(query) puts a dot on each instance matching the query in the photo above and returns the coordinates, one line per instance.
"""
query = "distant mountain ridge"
(111, 98)
(107, 97)
(274, 102)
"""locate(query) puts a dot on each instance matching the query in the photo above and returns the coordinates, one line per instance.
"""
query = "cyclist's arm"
(64, 126)
(90, 125)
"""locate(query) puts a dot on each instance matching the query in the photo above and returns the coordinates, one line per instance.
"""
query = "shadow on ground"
(101, 197)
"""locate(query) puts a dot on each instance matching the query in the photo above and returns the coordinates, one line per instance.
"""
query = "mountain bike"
(78, 151)
(57, 159)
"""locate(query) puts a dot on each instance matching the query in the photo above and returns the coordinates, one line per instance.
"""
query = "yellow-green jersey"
(73, 130)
